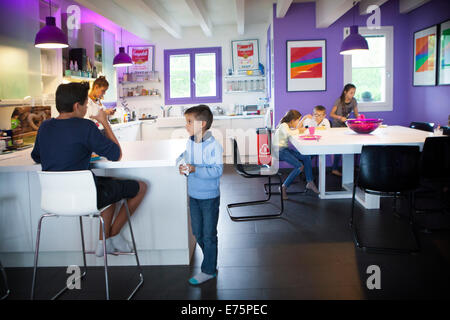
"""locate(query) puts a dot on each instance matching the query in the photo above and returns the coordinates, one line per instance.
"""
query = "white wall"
(194, 37)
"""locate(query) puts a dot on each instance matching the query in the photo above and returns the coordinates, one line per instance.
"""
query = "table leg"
(322, 175)
(348, 167)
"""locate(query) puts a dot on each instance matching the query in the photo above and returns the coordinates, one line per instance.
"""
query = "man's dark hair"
(201, 113)
(320, 108)
(68, 94)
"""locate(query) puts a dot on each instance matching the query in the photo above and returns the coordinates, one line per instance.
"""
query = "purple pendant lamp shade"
(50, 36)
(122, 59)
(354, 42)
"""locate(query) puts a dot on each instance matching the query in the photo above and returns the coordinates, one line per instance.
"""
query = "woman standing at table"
(95, 96)
(342, 108)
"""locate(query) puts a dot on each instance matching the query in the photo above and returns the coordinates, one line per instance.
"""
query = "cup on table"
(311, 130)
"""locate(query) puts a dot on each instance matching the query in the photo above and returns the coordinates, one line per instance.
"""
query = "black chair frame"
(243, 170)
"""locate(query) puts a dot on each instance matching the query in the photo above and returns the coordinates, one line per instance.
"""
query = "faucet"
(166, 112)
(219, 110)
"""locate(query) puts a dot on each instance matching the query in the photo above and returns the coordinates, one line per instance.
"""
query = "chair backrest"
(389, 168)
(70, 193)
(237, 157)
(435, 159)
(424, 126)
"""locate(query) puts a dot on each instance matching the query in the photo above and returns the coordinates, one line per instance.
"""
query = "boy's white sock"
(120, 244)
(109, 247)
(201, 277)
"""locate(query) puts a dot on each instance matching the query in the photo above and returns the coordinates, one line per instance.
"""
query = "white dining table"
(348, 143)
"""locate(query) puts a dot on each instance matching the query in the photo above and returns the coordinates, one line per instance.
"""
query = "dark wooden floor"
(307, 254)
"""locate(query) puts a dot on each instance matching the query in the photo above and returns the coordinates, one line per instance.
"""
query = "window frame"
(192, 99)
(388, 33)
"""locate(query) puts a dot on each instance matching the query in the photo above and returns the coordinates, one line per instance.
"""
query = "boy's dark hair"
(202, 113)
(320, 108)
(70, 93)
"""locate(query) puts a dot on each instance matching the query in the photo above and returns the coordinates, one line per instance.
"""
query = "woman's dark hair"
(69, 94)
(202, 113)
(100, 82)
(347, 87)
(290, 115)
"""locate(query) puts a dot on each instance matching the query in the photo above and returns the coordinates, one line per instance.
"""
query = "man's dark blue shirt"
(67, 145)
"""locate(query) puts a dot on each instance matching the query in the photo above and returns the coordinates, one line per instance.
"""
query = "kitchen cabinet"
(100, 49)
(130, 132)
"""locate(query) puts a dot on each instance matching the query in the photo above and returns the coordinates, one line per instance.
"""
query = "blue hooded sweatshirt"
(206, 156)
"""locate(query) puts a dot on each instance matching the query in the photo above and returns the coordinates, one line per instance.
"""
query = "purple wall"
(299, 24)
(430, 104)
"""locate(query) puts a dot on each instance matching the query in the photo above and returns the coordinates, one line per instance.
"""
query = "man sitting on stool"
(67, 142)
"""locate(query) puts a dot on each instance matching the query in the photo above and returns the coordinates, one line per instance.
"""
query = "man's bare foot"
(336, 173)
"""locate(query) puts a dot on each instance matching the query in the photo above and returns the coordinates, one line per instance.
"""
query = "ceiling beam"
(409, 5)
(240, 16)
(328, 11)
(199, 11)
(365, 4)
(282, 7)
(150, 9)
(113, 12)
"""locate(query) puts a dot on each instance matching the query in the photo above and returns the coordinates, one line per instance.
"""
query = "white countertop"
(135, 154)
(346, 141)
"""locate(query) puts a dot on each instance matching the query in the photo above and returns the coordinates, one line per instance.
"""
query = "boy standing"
(204, 167)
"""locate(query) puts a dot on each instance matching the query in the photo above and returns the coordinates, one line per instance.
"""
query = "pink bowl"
(364, 125)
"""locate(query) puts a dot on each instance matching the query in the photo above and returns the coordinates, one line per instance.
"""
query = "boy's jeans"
(204, 218)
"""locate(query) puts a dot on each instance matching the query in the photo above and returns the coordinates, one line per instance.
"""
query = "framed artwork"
(425, 51)
(268, 64)
(143, 58)
(306, 65)
(245, 55)
(444, 53)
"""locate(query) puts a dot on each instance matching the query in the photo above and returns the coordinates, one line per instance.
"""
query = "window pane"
(376, 57)
(180, 75)
(205, 74)
(370, 84)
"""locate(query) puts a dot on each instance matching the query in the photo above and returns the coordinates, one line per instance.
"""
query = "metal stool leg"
(84, 260)
(5, 279)
(102, 223)
(36, 253)
(141, 276)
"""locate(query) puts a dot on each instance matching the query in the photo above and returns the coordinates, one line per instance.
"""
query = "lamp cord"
(50, 7)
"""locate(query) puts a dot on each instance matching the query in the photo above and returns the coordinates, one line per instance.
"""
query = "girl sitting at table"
(342, 108)
(291, 125)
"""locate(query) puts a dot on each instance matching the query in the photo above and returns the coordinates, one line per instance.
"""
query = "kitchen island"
(161, 223)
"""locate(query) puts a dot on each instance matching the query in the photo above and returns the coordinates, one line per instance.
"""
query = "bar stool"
(5, 280)
(74, 194)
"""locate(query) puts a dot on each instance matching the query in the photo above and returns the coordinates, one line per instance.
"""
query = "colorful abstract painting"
(306, 62)
(444, 53)
(425, 53)
(306, 65)
(425, 57)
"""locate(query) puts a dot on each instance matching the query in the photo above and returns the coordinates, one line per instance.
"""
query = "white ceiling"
(142, 16)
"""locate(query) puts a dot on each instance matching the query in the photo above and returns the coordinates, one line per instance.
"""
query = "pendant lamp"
(354, 43)
(50, 36)
(122, 59)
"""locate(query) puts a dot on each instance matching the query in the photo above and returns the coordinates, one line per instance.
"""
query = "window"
(193, 75)
(372, 72)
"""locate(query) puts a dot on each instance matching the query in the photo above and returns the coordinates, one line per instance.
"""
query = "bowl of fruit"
(363, 125)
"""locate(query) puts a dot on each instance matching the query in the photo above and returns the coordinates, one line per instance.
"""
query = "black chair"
(446, 131)
(424, 126)
(435, 173)
(253, 171)
(5, 280)
(388, 171)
